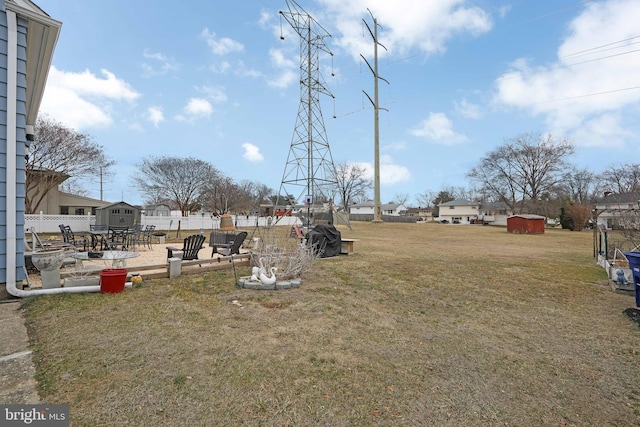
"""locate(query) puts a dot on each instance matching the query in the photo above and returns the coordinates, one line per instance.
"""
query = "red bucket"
(112, 280)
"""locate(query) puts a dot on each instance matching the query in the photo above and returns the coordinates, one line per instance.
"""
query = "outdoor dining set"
(110, 238)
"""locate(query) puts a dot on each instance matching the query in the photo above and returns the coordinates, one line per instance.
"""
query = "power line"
(586, 96)
(603, 57)
(601, 46)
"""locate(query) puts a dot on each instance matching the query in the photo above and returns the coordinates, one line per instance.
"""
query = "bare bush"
(580, 213)
(291, 256)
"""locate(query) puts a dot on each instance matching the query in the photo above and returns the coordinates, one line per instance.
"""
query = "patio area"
(152, 262)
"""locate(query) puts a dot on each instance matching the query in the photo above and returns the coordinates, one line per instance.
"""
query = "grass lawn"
(425, 324)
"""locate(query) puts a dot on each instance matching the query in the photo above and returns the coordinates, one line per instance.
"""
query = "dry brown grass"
(426, 324)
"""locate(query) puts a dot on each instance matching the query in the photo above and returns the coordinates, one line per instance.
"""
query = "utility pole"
(377, 210)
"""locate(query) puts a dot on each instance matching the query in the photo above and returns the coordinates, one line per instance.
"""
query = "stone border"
(245, 282)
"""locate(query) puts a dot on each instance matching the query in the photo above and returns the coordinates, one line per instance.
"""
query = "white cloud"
(406, 24)
(396, 146)
(84, 100)
(221, 46)
(390, 172)
(584, 82)
(286, 67)
(605, 130)
(252, 153)
(196, 108)
(155, 115)
(166, 65)
(223, 68)
(438, 128)
(214, 93)
(468, 110)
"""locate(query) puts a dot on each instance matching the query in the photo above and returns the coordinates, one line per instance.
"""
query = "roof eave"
(42, 38)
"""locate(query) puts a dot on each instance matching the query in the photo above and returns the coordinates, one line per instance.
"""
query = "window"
(64, 210)
(128, 212)
(79, 211)
(452, 207)
(115, 211)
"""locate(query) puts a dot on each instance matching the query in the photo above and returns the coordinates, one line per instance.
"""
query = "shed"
(120, 214)
(525, 224)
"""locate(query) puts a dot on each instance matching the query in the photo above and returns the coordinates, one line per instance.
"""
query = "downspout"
(12, 98)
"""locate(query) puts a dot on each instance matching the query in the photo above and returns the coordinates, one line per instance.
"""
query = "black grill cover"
(326, 240)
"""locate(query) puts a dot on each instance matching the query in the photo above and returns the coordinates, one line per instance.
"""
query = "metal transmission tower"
(309, 174)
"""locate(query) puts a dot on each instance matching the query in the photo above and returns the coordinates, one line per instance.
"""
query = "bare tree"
(425, 200)
(523, 169)
(74, 186)
(181, 180)
(352, 186)
(56, 154)
(623, 178)
(256, 193)
(401, 198)
(581, 185)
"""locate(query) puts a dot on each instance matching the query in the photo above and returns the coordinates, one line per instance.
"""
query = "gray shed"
(120, 214)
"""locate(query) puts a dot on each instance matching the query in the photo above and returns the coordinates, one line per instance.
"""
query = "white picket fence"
(50, 223)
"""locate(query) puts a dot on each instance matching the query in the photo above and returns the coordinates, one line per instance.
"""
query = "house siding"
(3, 143)
(20, 149)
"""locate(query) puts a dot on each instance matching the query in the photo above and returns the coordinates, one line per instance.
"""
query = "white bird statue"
(266, 280)
(261, 268)
(255, 271)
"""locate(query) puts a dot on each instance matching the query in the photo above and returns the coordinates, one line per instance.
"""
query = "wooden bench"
(346, 247)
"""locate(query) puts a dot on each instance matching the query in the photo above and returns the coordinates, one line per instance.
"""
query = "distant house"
(459, 211)
(160, 209)
(393, 209)
(425, 214)
(367, 208)
(363, 208)
(28, 37)
(612, 206)
(494, 213)
(60, 203)
(56, 202)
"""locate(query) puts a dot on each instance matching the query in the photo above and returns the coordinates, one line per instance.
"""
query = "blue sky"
(214, 80)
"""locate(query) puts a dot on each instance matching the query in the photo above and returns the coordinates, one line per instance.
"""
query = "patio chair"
(36, 243)
(190, 248)
(147, 235)
(99, 234)
(142, 236)
(118, 238)
(235, 245)
(77, 241)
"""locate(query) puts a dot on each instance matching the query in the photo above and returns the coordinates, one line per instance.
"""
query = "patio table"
(118, 258)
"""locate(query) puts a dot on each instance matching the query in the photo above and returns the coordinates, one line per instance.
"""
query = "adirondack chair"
(190, 248)
(235, 245)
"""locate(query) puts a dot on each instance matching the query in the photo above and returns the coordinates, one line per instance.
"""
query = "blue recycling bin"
(634, 265)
